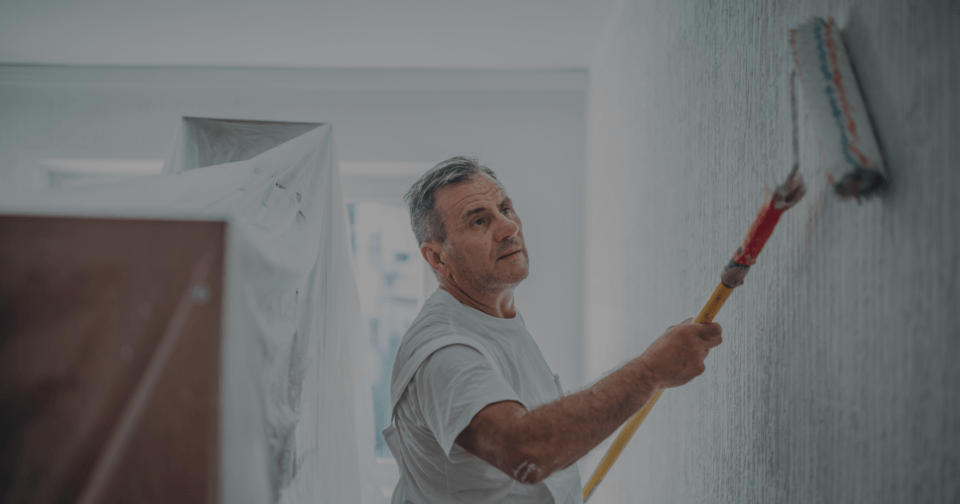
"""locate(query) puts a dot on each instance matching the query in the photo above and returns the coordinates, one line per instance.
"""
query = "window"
(390, 281)
(392, 278)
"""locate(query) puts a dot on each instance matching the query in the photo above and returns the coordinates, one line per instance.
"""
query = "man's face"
(484, 247)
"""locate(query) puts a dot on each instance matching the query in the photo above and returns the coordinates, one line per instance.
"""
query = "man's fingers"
(711, 334)
(710, 331)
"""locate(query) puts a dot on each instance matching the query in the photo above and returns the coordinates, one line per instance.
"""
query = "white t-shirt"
(454, 361)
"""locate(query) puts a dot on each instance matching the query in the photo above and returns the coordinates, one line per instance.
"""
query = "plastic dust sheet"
(291, 428)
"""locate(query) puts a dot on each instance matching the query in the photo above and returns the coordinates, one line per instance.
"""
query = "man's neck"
(495, 304)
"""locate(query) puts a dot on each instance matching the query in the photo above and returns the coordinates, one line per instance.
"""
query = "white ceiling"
(443, 34)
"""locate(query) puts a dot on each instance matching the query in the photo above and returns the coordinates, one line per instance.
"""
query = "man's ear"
(434, 254)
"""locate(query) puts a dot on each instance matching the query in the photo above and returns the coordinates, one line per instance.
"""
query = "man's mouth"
(511, 253)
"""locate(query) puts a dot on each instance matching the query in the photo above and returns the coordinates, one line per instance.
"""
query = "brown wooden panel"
(85, 306)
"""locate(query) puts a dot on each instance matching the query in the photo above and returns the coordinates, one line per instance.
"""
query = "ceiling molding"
(274, 78)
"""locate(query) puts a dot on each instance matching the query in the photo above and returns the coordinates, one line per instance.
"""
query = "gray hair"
(425, 218)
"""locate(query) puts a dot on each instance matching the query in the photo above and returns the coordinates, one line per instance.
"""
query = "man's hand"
(676, 357)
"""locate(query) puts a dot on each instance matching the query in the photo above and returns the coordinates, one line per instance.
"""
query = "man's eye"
(506, 209)
(478, 222)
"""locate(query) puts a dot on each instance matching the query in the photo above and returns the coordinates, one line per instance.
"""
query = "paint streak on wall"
(837, 381)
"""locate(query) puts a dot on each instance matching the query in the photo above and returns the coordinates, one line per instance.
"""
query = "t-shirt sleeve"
(452, 386)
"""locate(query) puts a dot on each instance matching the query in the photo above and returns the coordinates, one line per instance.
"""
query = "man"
(478, 416)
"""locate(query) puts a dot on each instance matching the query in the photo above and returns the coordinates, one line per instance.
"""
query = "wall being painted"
(527, 126)
(838, 377)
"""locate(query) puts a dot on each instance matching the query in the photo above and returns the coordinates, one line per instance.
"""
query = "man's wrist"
(647, 381)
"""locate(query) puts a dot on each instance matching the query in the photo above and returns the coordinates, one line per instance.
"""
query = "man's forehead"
(480, 190)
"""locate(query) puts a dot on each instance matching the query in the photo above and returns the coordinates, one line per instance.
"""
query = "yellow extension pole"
(785, 196)
(720, 295)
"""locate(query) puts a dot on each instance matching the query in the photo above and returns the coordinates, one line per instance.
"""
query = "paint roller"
(849, 148)
(852, 161)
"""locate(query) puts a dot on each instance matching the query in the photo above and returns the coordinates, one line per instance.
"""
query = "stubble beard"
(496, 282)
(493, 281)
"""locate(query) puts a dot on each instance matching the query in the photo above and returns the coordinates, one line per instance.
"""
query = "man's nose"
(507, 228)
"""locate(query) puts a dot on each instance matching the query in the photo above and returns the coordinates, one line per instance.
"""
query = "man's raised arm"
(530, 445)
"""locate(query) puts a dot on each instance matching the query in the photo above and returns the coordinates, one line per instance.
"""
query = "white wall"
(527, 126)
(837, 380)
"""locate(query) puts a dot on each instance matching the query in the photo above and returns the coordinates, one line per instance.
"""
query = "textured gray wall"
(837, 381)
